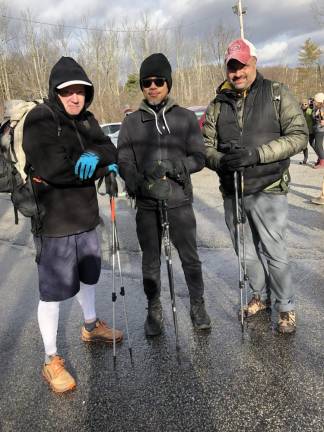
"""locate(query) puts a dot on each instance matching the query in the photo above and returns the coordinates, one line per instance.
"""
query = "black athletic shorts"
(64, 262)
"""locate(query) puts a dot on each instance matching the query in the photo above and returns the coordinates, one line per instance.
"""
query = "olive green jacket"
(293, 127)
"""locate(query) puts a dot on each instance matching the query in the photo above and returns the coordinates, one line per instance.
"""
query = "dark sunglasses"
(159, 82)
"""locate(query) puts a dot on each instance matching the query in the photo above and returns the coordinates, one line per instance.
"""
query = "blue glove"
(86, 165)
(113, 168)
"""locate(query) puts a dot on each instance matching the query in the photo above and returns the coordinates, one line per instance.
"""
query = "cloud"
(269, 25)
(272, 53)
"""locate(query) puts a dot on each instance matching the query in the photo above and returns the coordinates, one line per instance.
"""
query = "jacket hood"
(169, 103)
(67, 69)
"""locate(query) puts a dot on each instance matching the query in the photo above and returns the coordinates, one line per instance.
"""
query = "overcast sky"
(278, 28)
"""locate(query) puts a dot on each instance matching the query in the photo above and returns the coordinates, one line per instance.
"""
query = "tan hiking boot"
(287, 322)
(254, 306)
(58, 378)
(101, 333)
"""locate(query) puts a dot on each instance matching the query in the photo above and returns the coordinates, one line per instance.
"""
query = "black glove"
(176, 170)
(156, 171)
(111, 184)
(157, 189)
(238, 159)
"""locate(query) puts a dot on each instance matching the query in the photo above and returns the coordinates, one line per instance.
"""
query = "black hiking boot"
(198, 314)
(154, 320)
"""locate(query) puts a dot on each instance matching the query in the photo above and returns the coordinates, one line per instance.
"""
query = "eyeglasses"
(159, 82)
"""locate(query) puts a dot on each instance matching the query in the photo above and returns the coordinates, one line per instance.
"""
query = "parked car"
(200, 112)
(111, 130)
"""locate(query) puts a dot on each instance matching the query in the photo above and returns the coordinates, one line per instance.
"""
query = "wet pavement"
(219, 381)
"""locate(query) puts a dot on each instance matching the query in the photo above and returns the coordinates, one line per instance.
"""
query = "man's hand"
(86, 165)
(113, 168)
(158, 189)
(175, 170)
(155, 172)
(239, 159)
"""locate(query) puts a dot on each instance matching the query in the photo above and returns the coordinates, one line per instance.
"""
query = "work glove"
(238, 159)
(113, 168)
(86, 165)
(158, 189)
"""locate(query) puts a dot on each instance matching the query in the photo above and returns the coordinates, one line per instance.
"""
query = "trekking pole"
(113, 295)
(122, 288)
(243, 219)
(238, 222)
(167, 250)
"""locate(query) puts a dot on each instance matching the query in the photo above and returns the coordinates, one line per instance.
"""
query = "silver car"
(111, 130)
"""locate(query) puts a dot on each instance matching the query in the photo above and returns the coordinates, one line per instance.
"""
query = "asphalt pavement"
(221, 380)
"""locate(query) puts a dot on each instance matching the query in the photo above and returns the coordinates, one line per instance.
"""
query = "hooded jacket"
(53, 141)
(147, 137)
(233, 121)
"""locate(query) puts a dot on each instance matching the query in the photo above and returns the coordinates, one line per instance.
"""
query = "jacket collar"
(148, 114)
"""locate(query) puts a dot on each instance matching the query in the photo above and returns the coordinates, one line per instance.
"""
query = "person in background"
(308, 114)
(319, 129)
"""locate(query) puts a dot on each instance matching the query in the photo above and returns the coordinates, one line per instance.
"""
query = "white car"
(111, 130)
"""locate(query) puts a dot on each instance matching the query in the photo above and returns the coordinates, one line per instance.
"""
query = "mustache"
(238, 78)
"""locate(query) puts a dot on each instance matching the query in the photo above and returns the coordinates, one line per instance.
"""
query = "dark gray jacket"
(147, 137)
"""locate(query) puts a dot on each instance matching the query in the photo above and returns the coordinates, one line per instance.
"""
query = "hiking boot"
(254, 306)
(287, 322)
(58, 378)
(154, 320)
(198, 314)
(101, 333)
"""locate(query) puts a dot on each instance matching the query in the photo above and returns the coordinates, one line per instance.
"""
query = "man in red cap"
(254, 126)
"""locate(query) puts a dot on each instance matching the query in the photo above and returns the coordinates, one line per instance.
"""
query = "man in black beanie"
(159, 146)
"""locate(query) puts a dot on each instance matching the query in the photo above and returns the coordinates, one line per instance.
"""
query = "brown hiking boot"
(101, 333)
(254, 306)
(287, 322)
(58, 378)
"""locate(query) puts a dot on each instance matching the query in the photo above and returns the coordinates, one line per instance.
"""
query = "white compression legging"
(48, 316)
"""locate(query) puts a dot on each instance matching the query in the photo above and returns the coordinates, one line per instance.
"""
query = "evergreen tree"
(309, 53)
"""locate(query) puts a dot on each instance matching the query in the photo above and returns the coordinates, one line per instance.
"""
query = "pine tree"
(309, 53)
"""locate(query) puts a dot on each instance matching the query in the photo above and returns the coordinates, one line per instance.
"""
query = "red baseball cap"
(241, 50)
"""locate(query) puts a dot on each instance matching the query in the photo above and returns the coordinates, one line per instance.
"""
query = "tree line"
(112, 59)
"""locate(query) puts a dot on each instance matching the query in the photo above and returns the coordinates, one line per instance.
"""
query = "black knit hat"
(156, 65)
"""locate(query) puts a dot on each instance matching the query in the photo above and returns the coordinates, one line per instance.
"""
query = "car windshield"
(111, 128)
(114, 128)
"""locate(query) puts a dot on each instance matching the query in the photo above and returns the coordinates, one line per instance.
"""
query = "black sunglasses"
(159, 82)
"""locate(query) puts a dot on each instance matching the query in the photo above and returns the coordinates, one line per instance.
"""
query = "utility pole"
(238, 10)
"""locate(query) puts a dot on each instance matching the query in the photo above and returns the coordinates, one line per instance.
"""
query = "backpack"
(13, 179)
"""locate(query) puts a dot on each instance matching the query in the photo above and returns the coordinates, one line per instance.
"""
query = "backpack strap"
(56, 119)
(276, 97)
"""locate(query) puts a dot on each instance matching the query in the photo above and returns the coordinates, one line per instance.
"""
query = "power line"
(102, 29)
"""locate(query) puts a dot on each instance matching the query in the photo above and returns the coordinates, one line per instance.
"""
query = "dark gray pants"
(266, 248)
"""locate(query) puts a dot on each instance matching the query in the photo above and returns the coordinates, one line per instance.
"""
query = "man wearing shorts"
(66, 151)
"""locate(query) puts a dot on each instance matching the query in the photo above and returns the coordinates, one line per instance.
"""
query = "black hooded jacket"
(147, 137)
(53, 141)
